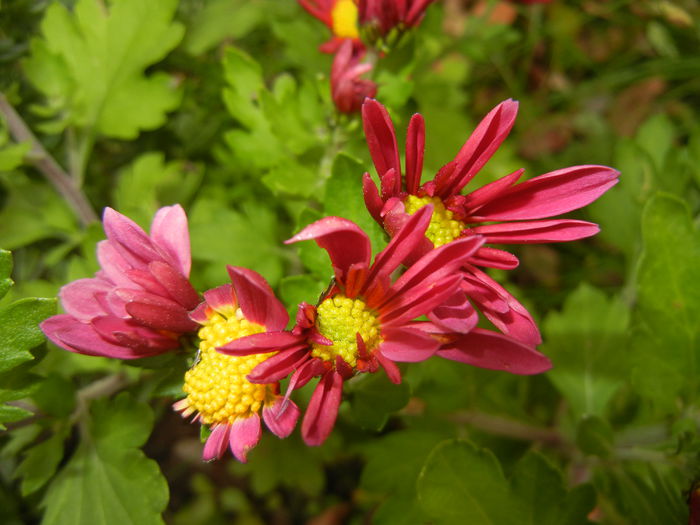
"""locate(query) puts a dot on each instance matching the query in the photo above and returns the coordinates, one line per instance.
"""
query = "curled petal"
(408, 345)
(344, 241)
(280, 417)
(373, 201)
(495, 351)
(381, 141)
(415, 149)
(494, 258)
(456, 314)
(221, 299)
(257, 300)
(79, 298)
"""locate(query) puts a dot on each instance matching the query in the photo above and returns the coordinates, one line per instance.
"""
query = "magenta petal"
(419, 300)
(494, 351)
(479, 147)
(79, 298)
(279, 366)
(344, 241)
(373, 201)
(415, 149)
(128, 333)
(438, 263)
(392, 371)
(245, 434)
(261, 343)
(216, 443)
(129, 239)
(494, 258)
(176, 284)
(158, 313)
(489, 192)
(221, 299)
(407, 345)
(551, 194)
(171, 235)
(381, 141)
(456, 314)
(72, 335)
(114, 267)
(199, 314)
(561, 230)
(402, 244)
(257, 300)
(323, 409)
(280, 417)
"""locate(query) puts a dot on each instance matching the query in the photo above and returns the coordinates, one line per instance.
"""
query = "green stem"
(47, 165)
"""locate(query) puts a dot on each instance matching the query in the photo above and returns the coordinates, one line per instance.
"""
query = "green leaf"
(584, 342)
(12, 155)
(108, 480)
(221, 19)
(149, 183)
(297, 288)
(20, 329)
(668, 300)
(462, 484)
(5, 272)
(374, 398)
(91, 64)
(344, 198)
(9, 414)
(40, 463)
(594, 436)
(540, 488)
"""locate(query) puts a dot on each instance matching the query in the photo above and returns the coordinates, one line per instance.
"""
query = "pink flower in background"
(503, 212)
(216, 385)
(341, 18)
(137, 304)
(382, 16)
(365, 321)
(348, 88)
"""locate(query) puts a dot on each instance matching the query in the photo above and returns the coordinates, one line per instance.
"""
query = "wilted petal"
(495, 351)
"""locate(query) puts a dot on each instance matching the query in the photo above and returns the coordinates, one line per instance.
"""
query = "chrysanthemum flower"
(348, 88)
(218, 391)
(502, 212)
(364, 321)
(380, 17)
(137, 305)
(341, 18)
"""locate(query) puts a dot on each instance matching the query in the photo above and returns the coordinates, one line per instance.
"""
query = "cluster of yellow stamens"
(344, 17)
(443, 228)
(216, 385)
(340, 319)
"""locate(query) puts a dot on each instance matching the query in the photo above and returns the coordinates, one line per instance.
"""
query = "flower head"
(137, 305)
(364, 321)
(341, 18)
(348, 88)
(218, 391)
(502, 212)
(379, 17)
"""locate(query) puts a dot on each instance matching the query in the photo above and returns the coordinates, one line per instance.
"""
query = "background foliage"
(224, 106)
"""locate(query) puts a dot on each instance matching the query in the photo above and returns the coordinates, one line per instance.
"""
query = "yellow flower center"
(340, 319)
(344, 16)
(443, 228)
(216, 385)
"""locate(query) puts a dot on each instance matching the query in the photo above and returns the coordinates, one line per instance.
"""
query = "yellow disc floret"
(443, 228)
(344, 17)
(340, 319)
(216, 385)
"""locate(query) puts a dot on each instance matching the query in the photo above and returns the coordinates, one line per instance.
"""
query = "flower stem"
(47, 165)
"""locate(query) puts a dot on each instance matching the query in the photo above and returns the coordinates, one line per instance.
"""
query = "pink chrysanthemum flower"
(137, 305)
(348, 88)
(502, 212)
(380, 17)
(218, 391)
(341, 18)
(365, 321)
